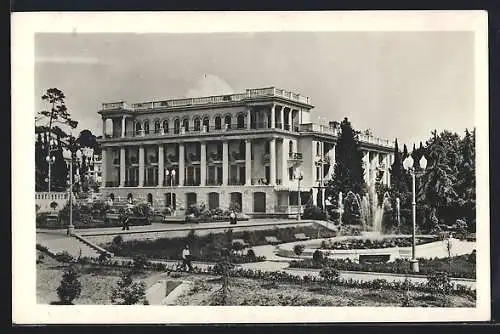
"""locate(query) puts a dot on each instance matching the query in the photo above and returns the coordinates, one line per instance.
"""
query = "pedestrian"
(126, 222)
(186, 259)
(232, 217)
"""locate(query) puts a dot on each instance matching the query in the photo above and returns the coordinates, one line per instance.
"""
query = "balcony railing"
(131, 183)
(235, 182)
(248, 94)
(211, 182)
(190, 182)
(294, 156)
(112, 183)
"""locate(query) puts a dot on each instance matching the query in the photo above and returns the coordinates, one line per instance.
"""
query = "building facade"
(243, 150)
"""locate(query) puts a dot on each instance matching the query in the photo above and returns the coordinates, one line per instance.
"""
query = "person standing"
(126, 222)
(232, 217)
(186, 259)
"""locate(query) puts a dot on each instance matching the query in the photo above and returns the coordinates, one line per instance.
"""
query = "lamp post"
(299, 176)
(172, 173)
(74, 152)
(408, 165)
(50, 159)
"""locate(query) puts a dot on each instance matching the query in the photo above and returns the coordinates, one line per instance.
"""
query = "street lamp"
(172, 173)
(50, 158)
(298, 176)
(75, 152)
(408, 165)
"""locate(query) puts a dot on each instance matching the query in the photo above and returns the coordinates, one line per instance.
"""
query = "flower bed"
(374, 243)
(463, 266)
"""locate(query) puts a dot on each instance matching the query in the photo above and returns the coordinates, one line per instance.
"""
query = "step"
(70, 245)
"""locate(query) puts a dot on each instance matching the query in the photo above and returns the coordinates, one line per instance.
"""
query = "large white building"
(243, 149)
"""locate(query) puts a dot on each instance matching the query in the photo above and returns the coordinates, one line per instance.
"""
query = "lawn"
(252, 292)
(97, 282)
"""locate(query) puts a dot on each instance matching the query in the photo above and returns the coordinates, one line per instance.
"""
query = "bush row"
(463, 266)
(374, 244)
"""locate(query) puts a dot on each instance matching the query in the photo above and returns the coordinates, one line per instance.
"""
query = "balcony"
(112, 183)
(131, 183)
(235, 182)
(295, 156)
(212, 182)
(191, 182)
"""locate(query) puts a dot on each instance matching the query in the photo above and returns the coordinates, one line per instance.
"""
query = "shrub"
(314, 212)
(70, 287)
(53, 205)
(251, 254)
(439, 282)
(298, 249)
(118, 241)
(329, 274)
(128, 292)
(318, 256)
(140, 262)
(64, 257)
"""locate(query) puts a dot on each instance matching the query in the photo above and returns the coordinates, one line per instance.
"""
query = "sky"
(397, 84)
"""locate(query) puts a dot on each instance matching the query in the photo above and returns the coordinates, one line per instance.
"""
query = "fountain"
(379, 213)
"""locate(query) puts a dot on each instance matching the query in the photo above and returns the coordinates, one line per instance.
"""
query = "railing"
(52, 195)
(166, 183)
(189, 182)
(235, 182)
(214, 157)
(375, 140)
(112, 183)
(260, 181)
(211, 182)
(131, 183)
(295, 156)
(249, 94)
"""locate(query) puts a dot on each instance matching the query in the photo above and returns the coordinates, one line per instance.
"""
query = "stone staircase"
(73, 245)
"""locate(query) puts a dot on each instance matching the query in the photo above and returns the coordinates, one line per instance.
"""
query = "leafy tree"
(298, 249)
(348, 168)
(58, 114)
(70, 287)
(128, 292)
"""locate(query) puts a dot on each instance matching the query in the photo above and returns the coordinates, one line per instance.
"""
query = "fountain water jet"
(379, 213)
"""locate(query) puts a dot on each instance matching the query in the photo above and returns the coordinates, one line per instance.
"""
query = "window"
(240, 121)
(157, 126)
(165, 126)
(290, 146)
(177, 126)
(185, 124)
(138, 128)
(146, 127)
(318, 173)
(227, 121)
(318, 149)
(206, 122)
(290, 173)
(197, 124)
(218, 122)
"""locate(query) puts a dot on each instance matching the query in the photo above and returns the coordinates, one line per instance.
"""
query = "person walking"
(126, 222)
(232, 218)
(186, 259)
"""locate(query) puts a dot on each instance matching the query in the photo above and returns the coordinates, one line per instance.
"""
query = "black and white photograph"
(304, 161)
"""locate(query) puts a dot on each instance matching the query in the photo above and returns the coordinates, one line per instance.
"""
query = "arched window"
(197, 124)
(165, 126)
(240, 121)
(218, 123)
(185, 124)
(177, 126)
(157, 126)
(138, 128)
(227, 121)
(206, 122)
(146, 127)
(150, 198)
(290, 146)
(318, 149)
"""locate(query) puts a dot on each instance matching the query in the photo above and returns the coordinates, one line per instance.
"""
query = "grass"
(97, 282)
(258, 293)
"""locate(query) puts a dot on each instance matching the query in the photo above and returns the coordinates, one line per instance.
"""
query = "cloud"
(208, 85)
(68, 60)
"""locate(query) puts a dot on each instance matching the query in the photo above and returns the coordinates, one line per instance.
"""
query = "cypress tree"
(405, 152)
(348, 174)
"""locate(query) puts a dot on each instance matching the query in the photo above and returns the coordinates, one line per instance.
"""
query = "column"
(248, 162)
(203, 164)
(272, 152)
(290, 120)
(104, 167)
(225, 163)
(273, 109)
(122, 167)
(284, 162)
(387, 170)
(366, 166)
(123, 126)
(141, 166)
(161, 168)
(181, 164)
(249, 118)
(282, 118)
(104, 128)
